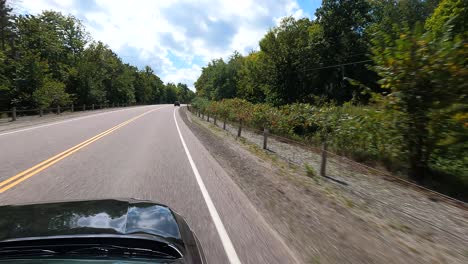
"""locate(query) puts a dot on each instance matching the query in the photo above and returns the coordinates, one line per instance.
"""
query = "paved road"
(138, 153)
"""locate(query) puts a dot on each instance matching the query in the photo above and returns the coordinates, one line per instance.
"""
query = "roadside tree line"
(381, 80)
(49, 59)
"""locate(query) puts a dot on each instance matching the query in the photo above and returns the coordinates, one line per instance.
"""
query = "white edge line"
(65, 121)
(223, 235)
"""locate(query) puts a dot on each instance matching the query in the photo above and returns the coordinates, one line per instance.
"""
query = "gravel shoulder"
(369, 220)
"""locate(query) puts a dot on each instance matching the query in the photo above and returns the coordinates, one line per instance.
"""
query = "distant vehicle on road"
(176, 103)
(101, 231)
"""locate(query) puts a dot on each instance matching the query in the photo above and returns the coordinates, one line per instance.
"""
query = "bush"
(297, 119)
(364, 133)
(264, 116)
(240, 110)
(50, 93)
(200, 104)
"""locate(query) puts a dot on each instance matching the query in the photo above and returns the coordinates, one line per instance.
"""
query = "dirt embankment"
(370, 220)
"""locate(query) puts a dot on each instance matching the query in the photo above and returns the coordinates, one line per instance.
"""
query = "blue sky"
(177, 37)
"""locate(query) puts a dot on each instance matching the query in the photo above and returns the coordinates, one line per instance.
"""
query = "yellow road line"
(20, 177)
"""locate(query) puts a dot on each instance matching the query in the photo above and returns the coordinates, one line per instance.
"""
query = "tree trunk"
(239, 131)
(418, 146)
(224, 124)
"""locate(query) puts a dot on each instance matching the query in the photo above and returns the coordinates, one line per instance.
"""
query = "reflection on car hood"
(99, 217)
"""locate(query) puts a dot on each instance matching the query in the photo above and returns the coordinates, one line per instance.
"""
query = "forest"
(382, 81)
(50, 59)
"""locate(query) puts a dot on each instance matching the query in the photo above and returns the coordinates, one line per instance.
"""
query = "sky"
(176, 37)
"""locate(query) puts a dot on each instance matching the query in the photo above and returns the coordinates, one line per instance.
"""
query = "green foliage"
(264, 116)
(285, 55)
(297, 118)
(310, 170)
(200, 104)
(449, 15)
(213, 108)
(240, 109)
(219, 79)
(184, 94)
(252, 84)
(41, 53)
(423, 75)
(51, 93)
(223, 109)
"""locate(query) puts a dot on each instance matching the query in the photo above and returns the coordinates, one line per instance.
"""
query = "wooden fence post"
(84, 107)
(239, 131)
(214, 120)
(92, 107)
(13, 114)
(72, 108)
(208, 117)
(41, 112)
(224, 124)
(58, 109)
(323, 163)
(265, 137)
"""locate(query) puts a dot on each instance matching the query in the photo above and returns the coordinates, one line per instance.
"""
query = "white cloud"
(204, 29)
(183, 75)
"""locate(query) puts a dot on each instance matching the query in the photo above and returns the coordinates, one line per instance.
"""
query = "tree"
(388, 14)
(451, 15)
(91, 75)
(252, 84)
(217, 80)
(170, 93)
(7, 59)
(5, 82)
(6, 22)
(414, 69)
(51, 93)
(343, 27)
(286, 55)
(184, 94)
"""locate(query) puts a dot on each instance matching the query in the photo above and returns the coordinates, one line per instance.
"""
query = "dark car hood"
(97, 217)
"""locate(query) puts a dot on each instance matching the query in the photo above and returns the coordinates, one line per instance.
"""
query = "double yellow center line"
(24, 175)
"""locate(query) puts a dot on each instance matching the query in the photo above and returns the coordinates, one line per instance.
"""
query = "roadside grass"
(310, 171)
(338, 195)
(310, 177)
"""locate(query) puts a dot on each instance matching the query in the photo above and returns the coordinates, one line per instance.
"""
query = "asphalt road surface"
(139, 153)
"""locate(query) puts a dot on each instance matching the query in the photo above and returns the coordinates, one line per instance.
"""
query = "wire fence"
(342, 170)
(293, 158)
(17, 113)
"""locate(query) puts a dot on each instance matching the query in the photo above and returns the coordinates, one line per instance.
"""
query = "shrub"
(310, 170)
(240, 110)
(200, 104)
(264, 116)
(297, 119)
